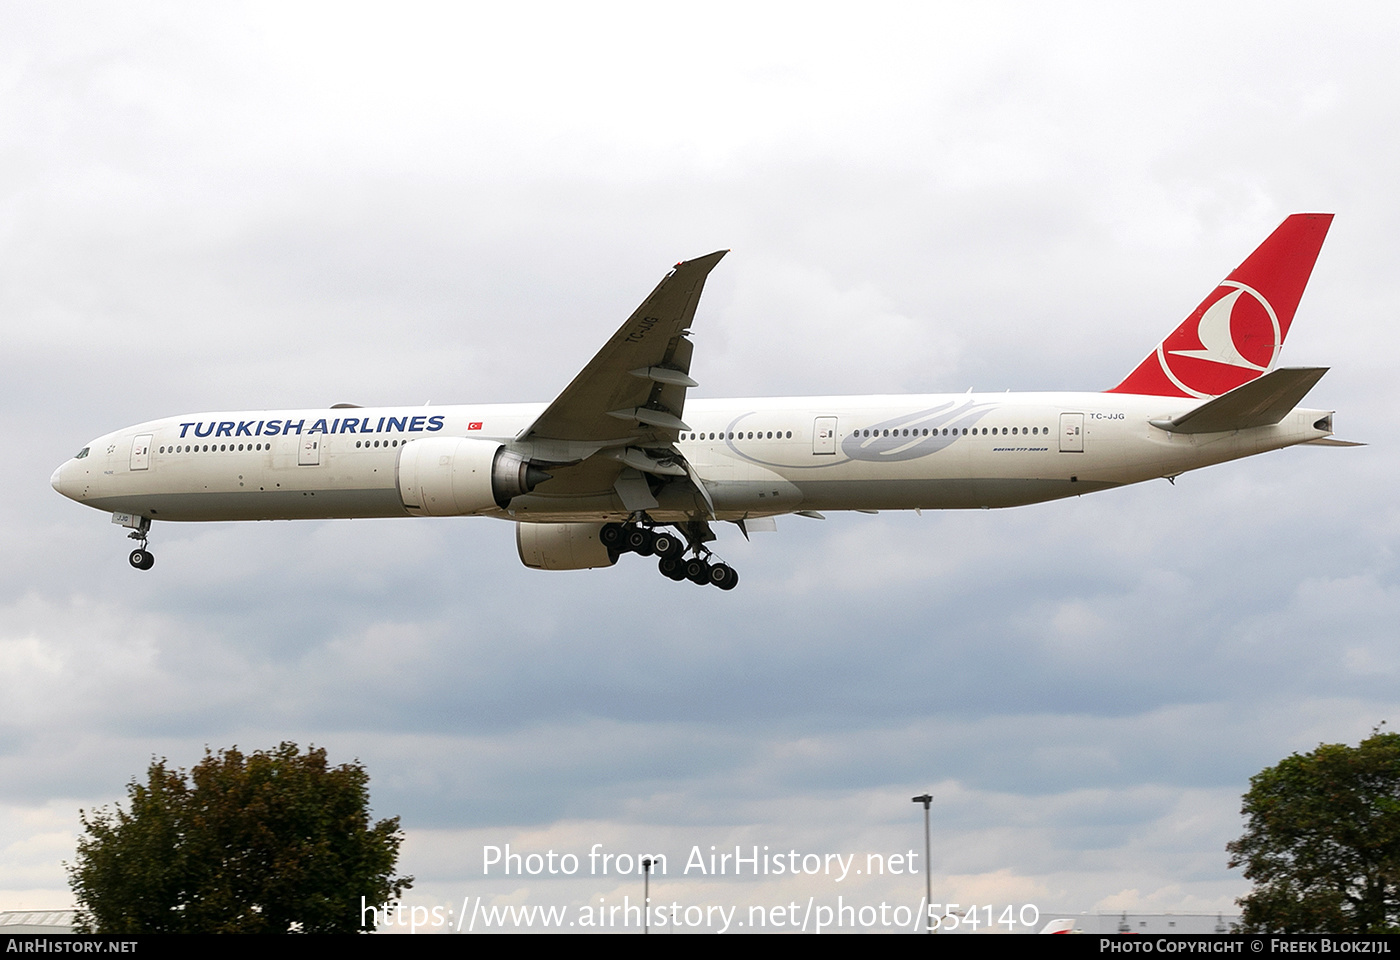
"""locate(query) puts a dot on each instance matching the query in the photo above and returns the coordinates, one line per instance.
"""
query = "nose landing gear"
(671, 549)
(141, 558)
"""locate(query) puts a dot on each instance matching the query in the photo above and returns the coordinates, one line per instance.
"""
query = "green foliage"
(272, 842)
(1322, 843)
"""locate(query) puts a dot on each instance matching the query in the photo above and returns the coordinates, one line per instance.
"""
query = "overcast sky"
(247, 206)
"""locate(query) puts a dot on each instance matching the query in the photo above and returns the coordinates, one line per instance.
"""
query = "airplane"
(622, 462)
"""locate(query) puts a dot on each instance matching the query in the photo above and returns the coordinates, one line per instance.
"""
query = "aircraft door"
(309, 453)
(1071, 433)
(824, 436)
(141, 452)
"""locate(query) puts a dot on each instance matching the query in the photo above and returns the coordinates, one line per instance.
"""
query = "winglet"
(1235, 334)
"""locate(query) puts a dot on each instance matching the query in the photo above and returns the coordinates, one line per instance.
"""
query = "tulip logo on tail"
(1236, 337)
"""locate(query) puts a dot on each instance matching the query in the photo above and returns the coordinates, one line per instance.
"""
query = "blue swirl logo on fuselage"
(903, 437)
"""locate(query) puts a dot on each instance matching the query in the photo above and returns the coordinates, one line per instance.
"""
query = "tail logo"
(1236, 337)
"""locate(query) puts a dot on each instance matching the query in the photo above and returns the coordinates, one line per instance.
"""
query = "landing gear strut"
(642, 539)
(141, 558)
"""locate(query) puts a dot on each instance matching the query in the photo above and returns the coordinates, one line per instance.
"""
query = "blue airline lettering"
(272, 428)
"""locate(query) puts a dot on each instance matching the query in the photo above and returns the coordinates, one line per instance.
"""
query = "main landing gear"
(670, 548)
(141, 558)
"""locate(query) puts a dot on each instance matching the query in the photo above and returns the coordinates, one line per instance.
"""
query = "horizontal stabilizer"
(1258, 403)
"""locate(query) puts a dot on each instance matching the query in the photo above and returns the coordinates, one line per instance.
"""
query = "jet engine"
(455, 476)
(562, 546)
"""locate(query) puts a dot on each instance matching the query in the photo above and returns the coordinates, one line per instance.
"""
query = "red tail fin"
(1236, 333)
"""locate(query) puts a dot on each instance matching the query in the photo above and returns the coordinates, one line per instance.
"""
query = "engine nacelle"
(454, 476)
(562, 546)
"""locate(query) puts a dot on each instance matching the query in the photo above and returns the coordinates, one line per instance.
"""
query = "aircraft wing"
(633, 390)
(619, 419)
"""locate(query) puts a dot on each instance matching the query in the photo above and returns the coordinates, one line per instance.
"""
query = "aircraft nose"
(57, 481)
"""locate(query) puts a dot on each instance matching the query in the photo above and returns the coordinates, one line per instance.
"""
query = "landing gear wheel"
(671, 567)
(142, 559)
(724, 576)
(668, 545)
(640, 541)
(697, 571)
(611, 535)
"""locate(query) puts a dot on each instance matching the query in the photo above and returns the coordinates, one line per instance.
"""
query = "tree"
(273, 842)
(1322, 843)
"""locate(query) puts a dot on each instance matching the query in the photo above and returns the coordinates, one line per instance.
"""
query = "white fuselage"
(756, 457)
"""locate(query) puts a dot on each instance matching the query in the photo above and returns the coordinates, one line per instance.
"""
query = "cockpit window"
(82, 453)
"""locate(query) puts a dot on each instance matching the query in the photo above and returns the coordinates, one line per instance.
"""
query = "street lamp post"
(646, 895)
(926, 799)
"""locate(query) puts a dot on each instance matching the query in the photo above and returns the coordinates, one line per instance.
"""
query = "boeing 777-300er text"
(620, 462)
